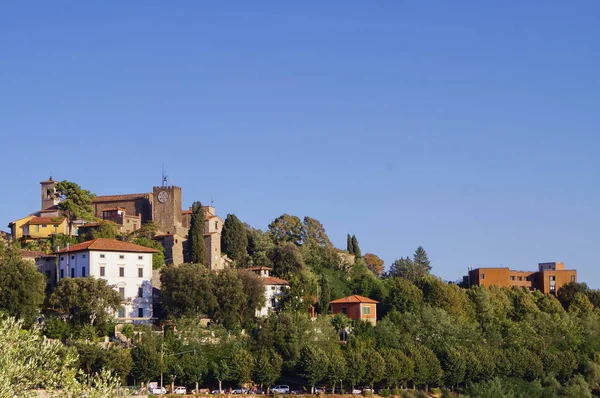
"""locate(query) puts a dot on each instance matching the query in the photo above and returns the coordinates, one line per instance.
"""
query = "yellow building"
(31, 227)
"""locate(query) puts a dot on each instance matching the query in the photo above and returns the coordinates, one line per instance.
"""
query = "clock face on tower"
(163, 196)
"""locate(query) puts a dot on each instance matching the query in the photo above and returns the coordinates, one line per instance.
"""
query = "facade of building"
(275, 288)
(45, 263)
(29, 228)
(356, 307)
(548, 278)
(125, 266)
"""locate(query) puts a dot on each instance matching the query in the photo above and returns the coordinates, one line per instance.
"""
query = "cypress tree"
(234, 239)
(196, 235)
(349, 245)
(355, 246)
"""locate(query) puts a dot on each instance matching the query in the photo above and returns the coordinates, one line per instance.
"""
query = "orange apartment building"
(548, 278)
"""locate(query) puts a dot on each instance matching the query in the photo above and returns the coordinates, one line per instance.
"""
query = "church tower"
(49, 197)
(166, 209)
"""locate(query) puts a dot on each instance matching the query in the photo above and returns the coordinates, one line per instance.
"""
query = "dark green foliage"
(421, 261)
(146, 357)
(234, 239)
(313, 364)
(287, 260)
(187, 290)
(286, 228)
(349, 245)
(313, 233)
(86, 301)
(355, 247)
(197, 250)
(324, 295)
(22, 287)
(75, 203)
(267, 366)
(94, 358)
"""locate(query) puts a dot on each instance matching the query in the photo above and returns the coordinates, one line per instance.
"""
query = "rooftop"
(103, 244)
(354, 299)
(45, 220)
(113, 198)
(271, 280)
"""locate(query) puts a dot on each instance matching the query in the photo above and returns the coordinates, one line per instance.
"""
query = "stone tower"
(49, 197)
(166, 209)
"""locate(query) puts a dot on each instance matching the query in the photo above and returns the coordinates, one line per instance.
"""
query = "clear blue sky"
(468, 127)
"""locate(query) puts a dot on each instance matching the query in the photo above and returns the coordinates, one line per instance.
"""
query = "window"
(121, 271)
(37, 228)
(102, 256)
(48, 275)
(512, 278)
(83, 256)
(344, 310)
(552, 278)
(62, 258)
(572, 278)
(55, 225)
(122, 293)
(72, 272)
(140, 257)
(519, 278)
(44, 225)
(140, 312)
(140, 272)
(102, 271)
(121, 256)
(62, 273)
(140, 292)
(72, 257)
(216, 225)
(366, 310)
(122, 312)
(482, 276)
(83, 272)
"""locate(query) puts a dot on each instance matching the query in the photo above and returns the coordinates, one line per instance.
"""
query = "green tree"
(376, 369)
(313, 364)
(286, 228)
(229, 292)
(240, 366)
(187, 290)
(196, 235)
(421, 261)
(324, 294)
(86, 301)
(313, 233)
(147, 364)
(94, 358)
(287, 260)
(234, 239)
(349, 245)
(254, 290)
(356, 366)
(403, 296)
(267, 366)
(22, 287)
(30, 362)
(337, 367)
(75, 203)
(355, 247)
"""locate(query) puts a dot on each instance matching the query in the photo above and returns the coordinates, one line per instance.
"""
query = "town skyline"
(468, 130)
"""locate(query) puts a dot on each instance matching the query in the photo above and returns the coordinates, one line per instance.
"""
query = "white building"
(125, 266)
(275, 288)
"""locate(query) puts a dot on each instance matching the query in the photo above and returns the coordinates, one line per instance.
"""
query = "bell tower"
(49, 196)
(166, 208)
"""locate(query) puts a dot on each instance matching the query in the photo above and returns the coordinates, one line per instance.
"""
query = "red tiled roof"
(33, 254)
(259, 269)
(271, 280)
(354, 299)
(108, 245)
(113, 198)
(186, 212)
(113, 208)
(45, 220)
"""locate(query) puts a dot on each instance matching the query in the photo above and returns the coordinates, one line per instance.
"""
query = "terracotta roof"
(353, 299)
(186, 212)
(33, 254)
(49, 209)
(48, 180)
(271, 280)
(113, 198)
(45, 220)
(112, 245)
(259, 269)
(113, 208)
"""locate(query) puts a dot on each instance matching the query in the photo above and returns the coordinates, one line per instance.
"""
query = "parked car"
(217, 392)
(320, 390)
(356, 391)
(281, 389)
(239, 390)
(159, 391)
(180, 390)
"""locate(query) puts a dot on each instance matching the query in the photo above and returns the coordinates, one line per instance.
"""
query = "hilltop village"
(168, 298)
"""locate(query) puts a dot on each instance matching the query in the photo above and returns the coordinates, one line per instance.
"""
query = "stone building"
(163, 206)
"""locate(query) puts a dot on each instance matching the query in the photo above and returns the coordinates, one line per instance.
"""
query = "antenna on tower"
(211, 201)
(164, 176)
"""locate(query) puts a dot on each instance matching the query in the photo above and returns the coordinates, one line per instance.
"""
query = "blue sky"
(471, 128)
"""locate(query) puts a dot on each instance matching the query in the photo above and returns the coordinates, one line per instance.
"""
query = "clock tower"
(166, 209)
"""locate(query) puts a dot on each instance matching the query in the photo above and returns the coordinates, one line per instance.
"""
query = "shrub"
(385, 392)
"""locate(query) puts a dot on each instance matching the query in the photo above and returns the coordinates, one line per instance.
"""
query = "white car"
(356, 391)
(180, 390)
(281, 389)
(159, 391)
